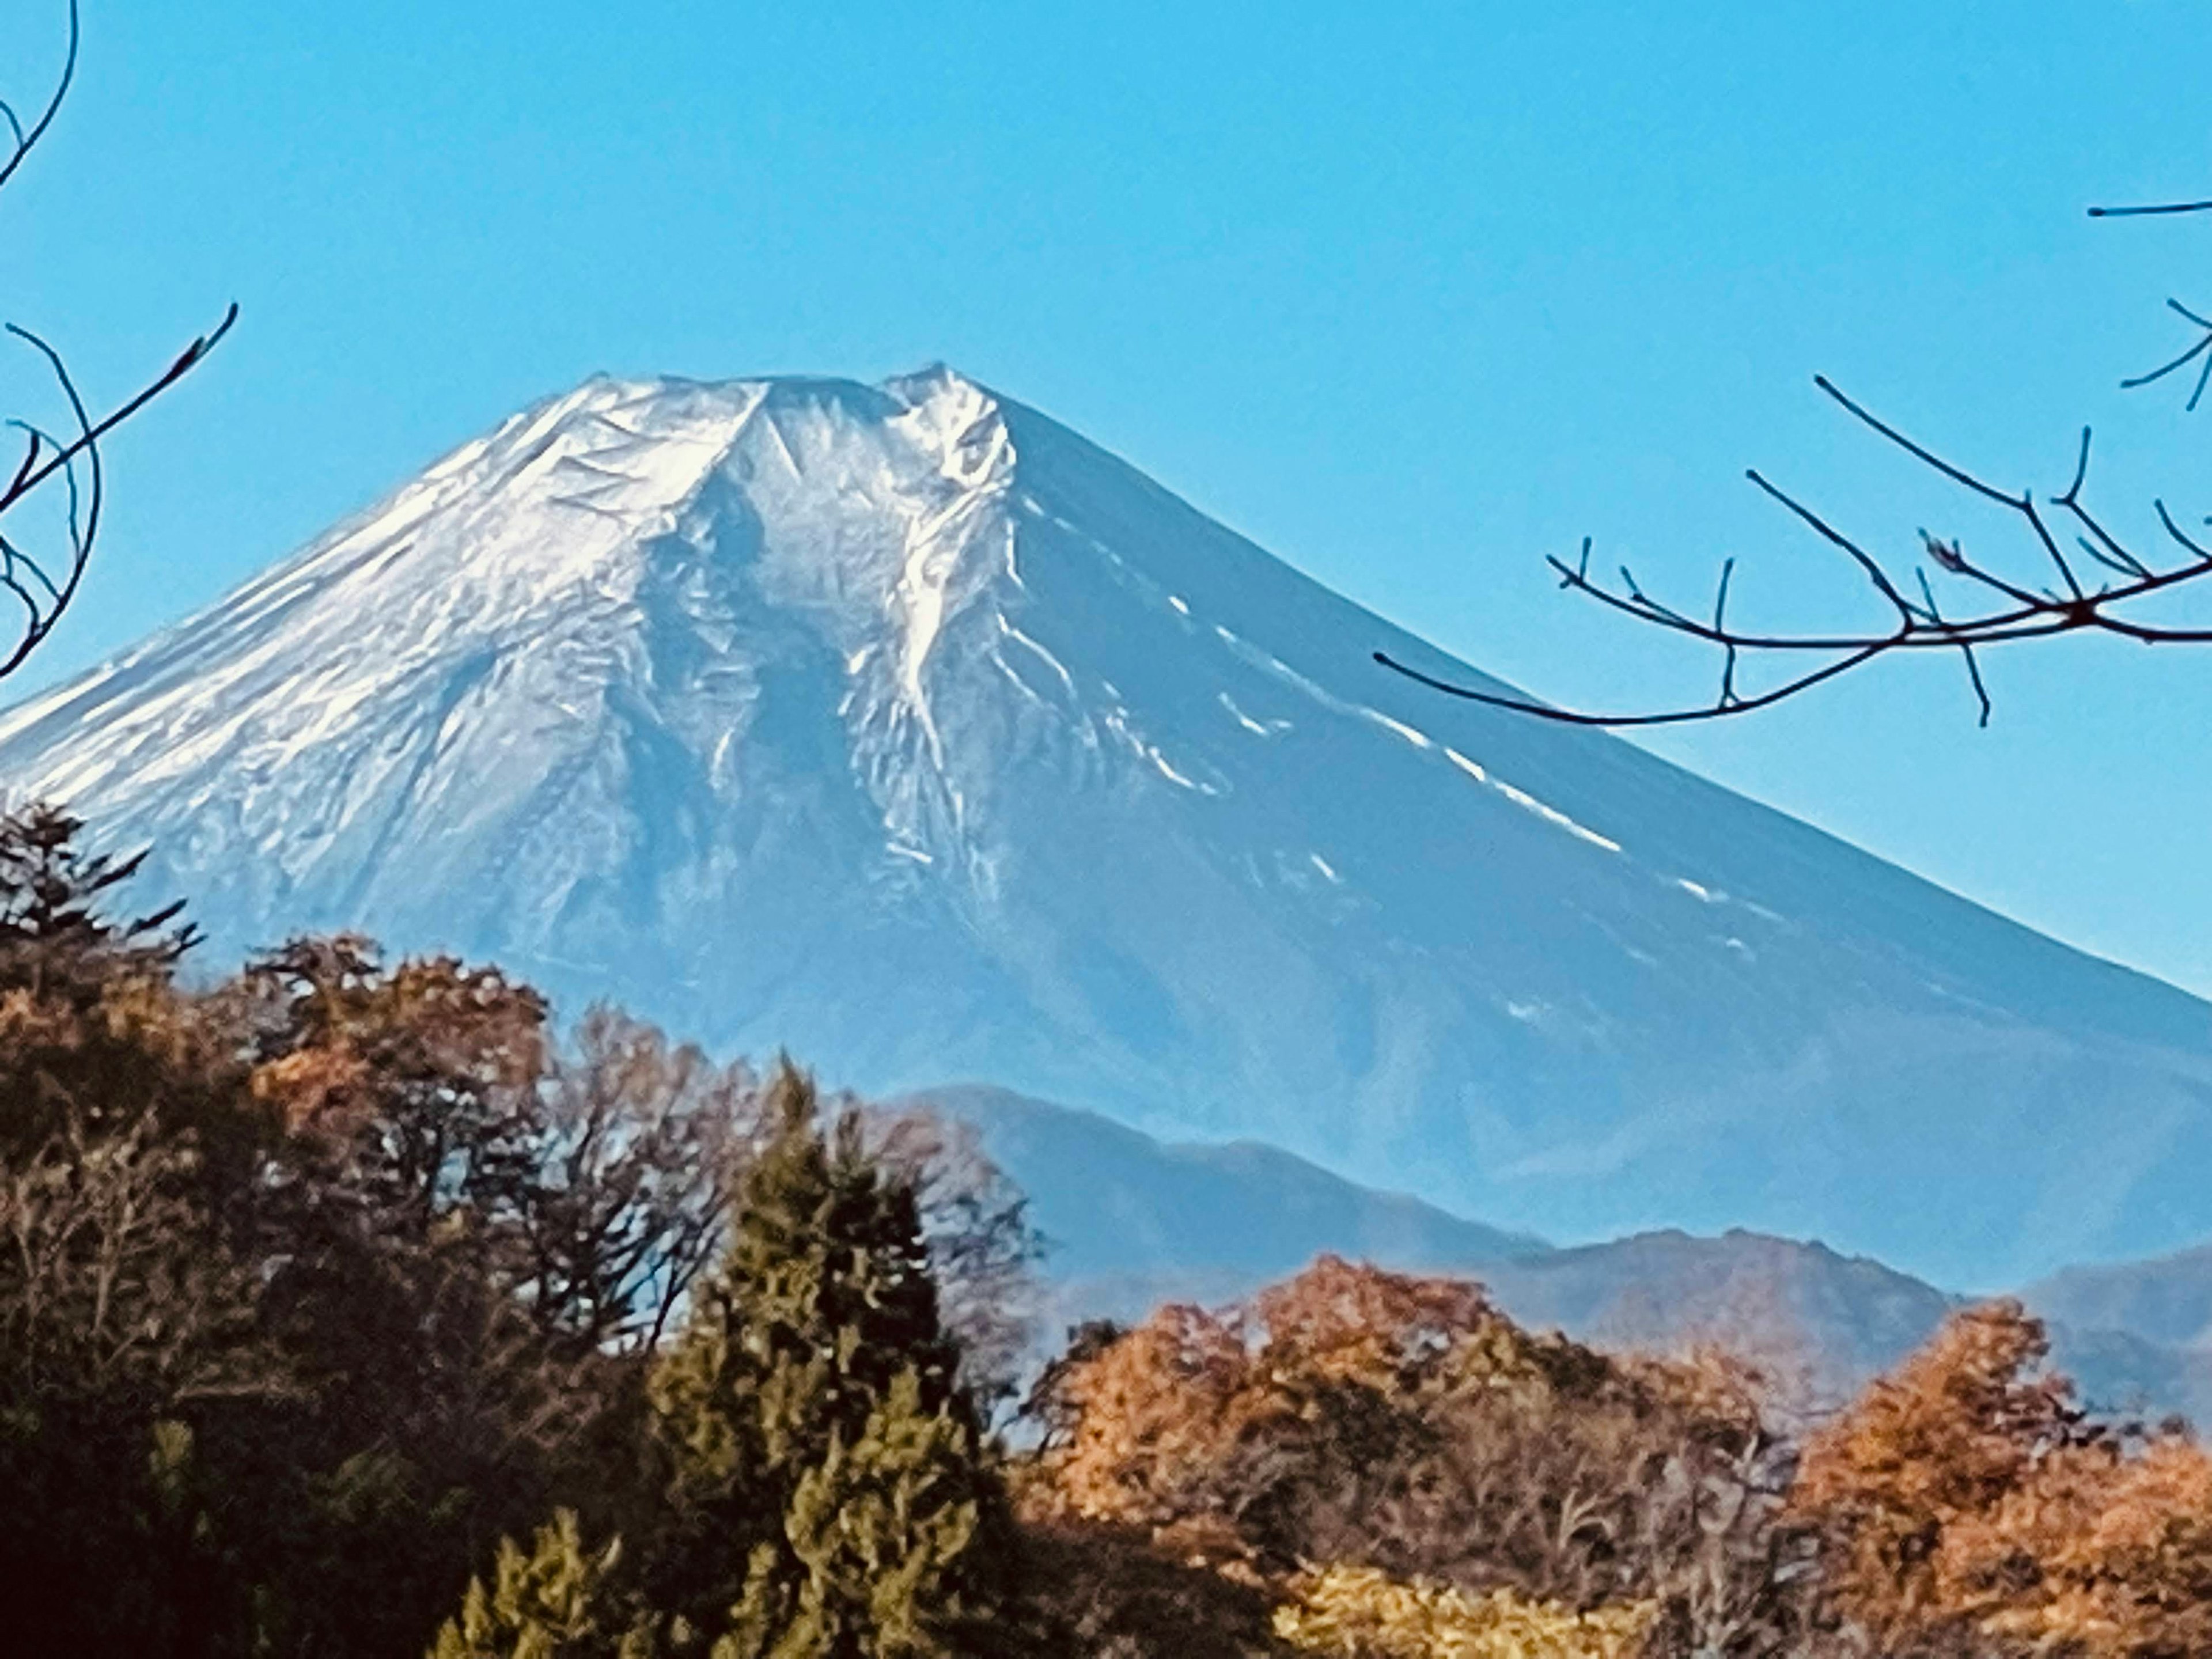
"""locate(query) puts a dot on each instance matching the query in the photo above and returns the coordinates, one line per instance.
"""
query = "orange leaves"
(1968, 1493)
(2107, 1551)
(1403, 1427)
(1357, 1324)
(427, 1016)
(1161, 1418)
(1949, 1435)
(1151, 1414)
(315, 1091)
(1238, 1439)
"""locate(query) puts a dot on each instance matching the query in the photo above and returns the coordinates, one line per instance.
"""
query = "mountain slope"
(2167, 1299)
(1134, 1223)
(1841, 1318)
(899, 726)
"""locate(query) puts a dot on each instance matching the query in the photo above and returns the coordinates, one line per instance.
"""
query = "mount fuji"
(902, 727)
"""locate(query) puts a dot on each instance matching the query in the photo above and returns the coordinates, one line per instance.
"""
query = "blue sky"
(1413, 295)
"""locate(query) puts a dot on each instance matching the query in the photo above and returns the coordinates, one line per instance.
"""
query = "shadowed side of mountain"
(2167, 1299)
(1820, 1322)
(2119, 1372)
(1196, 1221)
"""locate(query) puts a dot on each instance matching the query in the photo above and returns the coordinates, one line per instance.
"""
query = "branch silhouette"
(1997, 610)
(44, 585)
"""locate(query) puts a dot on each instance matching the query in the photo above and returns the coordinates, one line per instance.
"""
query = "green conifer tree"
(552, 1603)
(829, 1494)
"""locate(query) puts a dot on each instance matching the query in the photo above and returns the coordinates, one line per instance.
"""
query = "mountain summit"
(901, 727)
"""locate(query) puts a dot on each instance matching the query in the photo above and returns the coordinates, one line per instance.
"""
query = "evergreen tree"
(552, 1603)
(55, 933)
(94, 1036)
(828, 1493)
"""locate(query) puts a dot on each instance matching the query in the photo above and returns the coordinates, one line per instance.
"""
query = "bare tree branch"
(2010, 612)
(74, 457)
(2204, 346)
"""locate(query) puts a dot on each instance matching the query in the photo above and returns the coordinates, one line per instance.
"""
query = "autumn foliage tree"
(350, 1295)
(1967, 1505)
(317, 1284)
(128, 1313)
(1402, 1424)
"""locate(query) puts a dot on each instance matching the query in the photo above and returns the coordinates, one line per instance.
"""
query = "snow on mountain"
(901, 727)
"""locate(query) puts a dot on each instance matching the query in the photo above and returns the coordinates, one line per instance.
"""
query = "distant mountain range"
(2167, 1299)
(902, 727)
(1134, 1222)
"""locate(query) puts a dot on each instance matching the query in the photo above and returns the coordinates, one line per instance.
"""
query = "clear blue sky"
(1411, 294)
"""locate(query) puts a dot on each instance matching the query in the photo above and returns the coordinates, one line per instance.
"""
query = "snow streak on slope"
(899, 726)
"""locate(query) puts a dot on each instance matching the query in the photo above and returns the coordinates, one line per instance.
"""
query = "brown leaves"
(1160, 1423)
(1356, 1416)
(1354, 1324)
(315, 1091)
(1966, 1498)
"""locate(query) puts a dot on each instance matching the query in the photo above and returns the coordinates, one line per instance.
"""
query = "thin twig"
(2146, 212)
(2203, 346)
(187, 360)
(22, 141)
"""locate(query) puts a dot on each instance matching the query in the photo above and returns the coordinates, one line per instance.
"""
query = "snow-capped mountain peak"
(899, 726)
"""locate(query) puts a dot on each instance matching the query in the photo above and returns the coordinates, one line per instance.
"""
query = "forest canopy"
(352, 1306)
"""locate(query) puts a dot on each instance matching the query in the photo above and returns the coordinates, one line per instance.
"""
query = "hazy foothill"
(791, 1018)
